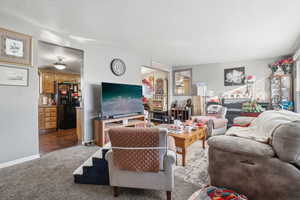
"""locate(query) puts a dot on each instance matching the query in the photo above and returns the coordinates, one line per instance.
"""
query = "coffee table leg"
(183, 156)
(204, 138)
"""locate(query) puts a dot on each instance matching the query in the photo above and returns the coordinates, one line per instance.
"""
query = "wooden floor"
(57, 140)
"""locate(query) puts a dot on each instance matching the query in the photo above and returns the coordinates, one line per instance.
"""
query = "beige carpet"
(50, 178)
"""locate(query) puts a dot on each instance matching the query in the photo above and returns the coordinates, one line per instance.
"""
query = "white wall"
(19, 111)
(97, 69)
(19, 105)
(213, 76)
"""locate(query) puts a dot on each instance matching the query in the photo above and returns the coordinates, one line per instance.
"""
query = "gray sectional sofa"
(260, 171)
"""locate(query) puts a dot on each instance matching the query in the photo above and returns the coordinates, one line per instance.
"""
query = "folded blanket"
(261, 129)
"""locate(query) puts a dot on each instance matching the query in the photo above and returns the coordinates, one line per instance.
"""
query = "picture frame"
(182, 84)
(234, 76)
(15, 48)
(14, 76)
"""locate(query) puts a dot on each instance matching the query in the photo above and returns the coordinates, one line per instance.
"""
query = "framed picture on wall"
(234, 76)
(15, 48)
(13, 76)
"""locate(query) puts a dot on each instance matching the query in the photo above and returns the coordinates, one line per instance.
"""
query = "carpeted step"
(94, 170)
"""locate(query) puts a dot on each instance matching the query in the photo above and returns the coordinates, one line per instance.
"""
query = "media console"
(101, 127)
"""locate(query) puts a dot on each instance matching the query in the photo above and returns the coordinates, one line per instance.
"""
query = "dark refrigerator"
(67, 100)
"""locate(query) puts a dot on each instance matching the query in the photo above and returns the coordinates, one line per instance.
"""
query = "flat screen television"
(121, 99)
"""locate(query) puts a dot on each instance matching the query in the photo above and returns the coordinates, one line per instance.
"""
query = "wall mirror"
(182, 82)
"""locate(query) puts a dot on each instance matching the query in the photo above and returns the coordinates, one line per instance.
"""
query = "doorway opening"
(60, 97)
(156, 94)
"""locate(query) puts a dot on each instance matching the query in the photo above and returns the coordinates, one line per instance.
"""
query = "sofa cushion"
(286, 142)
(241, 146)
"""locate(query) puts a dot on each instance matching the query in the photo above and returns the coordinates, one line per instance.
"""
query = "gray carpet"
(50, 178)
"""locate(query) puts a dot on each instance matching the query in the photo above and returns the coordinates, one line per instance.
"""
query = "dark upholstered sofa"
(260, 171)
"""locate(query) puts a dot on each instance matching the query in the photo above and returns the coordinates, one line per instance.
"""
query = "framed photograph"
(15, 48)
(234, 76)
(14, 76)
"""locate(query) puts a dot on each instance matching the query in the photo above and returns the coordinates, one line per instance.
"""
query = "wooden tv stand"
(101, 127)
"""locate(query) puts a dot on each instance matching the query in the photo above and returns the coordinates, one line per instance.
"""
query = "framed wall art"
(234, 76)
(14, 76)
(15, 48)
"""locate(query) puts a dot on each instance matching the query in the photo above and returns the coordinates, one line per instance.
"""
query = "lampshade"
(60, 66)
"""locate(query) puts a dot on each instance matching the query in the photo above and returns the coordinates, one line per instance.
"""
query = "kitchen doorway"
(60, 72)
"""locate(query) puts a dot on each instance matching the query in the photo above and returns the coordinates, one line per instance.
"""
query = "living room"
(210, 100)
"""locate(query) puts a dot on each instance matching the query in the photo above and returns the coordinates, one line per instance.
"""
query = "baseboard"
(19, 161)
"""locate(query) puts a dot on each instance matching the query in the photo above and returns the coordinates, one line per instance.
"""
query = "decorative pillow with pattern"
(214, 193)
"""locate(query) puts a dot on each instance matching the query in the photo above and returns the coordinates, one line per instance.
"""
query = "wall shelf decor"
(15, 48)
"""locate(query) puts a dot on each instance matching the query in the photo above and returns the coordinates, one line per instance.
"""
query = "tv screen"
(121, 99)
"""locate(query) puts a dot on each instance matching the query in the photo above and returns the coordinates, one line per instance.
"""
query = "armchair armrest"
(169, 160)
(241, 146)
(108, 155)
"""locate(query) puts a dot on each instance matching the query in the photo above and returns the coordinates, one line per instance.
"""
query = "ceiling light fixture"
(59, 64)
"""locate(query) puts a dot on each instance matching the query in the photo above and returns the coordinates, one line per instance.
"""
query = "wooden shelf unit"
(101, 127)
(47, 117)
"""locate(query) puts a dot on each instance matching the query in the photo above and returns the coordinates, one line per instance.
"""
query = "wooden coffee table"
(185, 139)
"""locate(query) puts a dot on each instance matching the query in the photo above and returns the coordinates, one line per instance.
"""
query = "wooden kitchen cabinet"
(62, 77)
(47, 81)
(49, 78)
(47, 117)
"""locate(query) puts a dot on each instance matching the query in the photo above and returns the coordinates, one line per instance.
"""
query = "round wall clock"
(117, 67)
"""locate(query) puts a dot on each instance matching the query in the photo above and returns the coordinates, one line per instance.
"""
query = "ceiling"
(173, 32)
(48, 54)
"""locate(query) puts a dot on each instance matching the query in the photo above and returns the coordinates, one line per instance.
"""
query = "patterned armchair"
(141, 158)
(214, 119)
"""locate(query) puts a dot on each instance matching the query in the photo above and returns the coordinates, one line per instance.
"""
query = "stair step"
(94, 170)
(96, 180)
(88, 162)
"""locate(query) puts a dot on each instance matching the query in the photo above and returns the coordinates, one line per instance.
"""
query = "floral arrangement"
(250, 79)
(284, 61)
(283, 66)
(147, 83)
